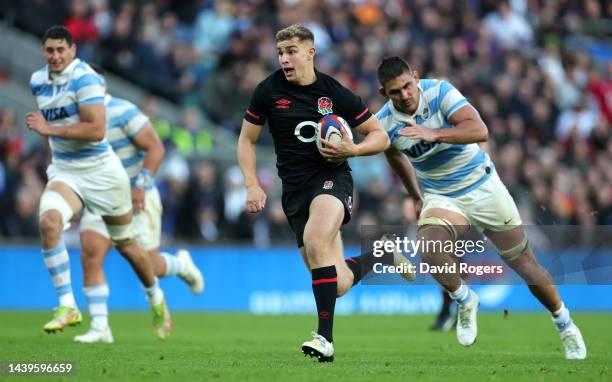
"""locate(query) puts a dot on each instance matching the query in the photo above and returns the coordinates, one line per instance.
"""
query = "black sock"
(447, 301)
(325, 288)
(362, 265)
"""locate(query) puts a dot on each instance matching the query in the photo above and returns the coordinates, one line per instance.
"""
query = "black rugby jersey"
(292, 113)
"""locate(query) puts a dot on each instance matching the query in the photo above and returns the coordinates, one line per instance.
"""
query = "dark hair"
(58, 32)
(295, 30)
(392, 67)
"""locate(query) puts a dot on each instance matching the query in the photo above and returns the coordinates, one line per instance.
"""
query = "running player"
(436, 128)
(84, 172)
(134, 140)
(317, 193)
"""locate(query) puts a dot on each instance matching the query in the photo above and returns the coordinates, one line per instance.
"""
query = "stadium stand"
(542, 85)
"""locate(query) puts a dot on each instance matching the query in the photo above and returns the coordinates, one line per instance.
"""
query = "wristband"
(143, 179)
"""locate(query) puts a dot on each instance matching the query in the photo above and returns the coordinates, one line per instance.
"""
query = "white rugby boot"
(190, 273)
(573, 343)
(319, 348)
(95, 336)
(467, 328)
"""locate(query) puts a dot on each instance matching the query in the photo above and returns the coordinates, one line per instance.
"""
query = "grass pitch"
(232, 347)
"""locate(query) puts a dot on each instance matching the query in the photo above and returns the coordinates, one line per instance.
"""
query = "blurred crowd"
(538, 71)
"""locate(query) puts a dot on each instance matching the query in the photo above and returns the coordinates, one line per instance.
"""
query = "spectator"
(509, 28)
(83, 28)
(537, 71)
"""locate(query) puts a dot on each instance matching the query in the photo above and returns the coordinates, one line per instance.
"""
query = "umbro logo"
(283, 103)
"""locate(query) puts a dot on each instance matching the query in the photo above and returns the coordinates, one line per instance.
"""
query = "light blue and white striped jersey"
(123, 121)
(58, 97)
(442, 168)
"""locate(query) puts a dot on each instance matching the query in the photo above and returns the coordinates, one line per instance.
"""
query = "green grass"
(228, 347)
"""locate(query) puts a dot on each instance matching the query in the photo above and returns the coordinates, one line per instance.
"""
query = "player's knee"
(50, 224)
(437, 228)
(121, 235)
(315, 248)
(516, 252)
(54, 212)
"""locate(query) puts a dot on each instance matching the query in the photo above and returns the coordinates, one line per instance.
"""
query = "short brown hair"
(295, 30)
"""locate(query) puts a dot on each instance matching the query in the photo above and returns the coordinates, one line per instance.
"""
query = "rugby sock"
(447, 301)
(355, 266)
(561, 318)
(173, 264)
(461, 295)
(362, 265)
(58, 265)
(325, 288)
(96, 296)
(154, 293)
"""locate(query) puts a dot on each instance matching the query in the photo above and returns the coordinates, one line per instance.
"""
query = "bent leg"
(515, 250)
(121, 231)
(438, 226)
(122, 235)
(58, 204)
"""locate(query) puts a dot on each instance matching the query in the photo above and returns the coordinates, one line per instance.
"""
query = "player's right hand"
(37, 122)
(256, 199)
(138, 199)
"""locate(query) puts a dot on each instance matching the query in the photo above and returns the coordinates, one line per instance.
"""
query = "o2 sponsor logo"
(306, 131)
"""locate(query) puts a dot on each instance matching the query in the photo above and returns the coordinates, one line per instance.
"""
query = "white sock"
(58, 265)
(154, 293)
(97, 295)
(561, 318)
(461, 295)
(173, 265)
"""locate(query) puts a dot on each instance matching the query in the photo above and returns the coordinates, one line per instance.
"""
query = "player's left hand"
(346, 148)
(35, 121)
(138, 199)
(414, 131)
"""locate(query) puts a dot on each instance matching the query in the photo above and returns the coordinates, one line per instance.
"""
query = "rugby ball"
(329, 128)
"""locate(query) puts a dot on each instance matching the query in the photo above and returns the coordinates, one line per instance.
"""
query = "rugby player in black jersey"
(317, 192)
